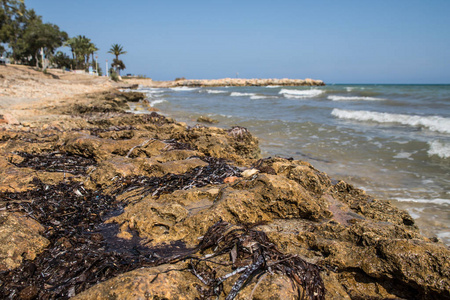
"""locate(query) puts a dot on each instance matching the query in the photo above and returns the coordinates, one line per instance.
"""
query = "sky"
(346, 41)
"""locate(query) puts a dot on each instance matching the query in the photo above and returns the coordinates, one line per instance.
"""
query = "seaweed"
(173, 144)
(83, 250)
(56, 162)
(248, 252)
(214, 173)
(97, 131)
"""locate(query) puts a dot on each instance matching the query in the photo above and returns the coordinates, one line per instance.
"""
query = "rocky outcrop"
(106, 204)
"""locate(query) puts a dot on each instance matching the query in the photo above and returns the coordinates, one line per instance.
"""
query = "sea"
(393, 141)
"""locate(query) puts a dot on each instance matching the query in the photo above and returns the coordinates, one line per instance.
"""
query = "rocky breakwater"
(227, 82)
(103, 204)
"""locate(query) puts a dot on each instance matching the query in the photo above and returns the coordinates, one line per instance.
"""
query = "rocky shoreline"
(99, 203)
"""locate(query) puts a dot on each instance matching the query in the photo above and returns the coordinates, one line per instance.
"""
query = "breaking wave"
(300, 94)
(216, 92)
(354, 98)
(440, 149)
(237, 94)
(433, 123)
(425, 201)
(154, 102)
(183, 89)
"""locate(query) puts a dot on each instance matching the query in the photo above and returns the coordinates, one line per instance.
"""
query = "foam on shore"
(433, 123)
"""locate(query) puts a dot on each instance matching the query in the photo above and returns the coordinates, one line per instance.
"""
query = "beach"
(116, 190)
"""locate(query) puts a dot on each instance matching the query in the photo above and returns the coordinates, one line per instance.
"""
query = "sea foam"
(433, 123)
(440, 149)
(237, 94)
(438, 201)
(300, 94)
(183, 89)
(215, 92)
(354, 98)
(154, 102)
(258, 97)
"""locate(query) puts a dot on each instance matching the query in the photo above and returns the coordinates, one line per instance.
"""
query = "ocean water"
(391, 140)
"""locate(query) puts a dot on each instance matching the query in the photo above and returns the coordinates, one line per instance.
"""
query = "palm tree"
(117, 50)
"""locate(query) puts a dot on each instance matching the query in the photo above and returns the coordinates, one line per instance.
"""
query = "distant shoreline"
(226, 82)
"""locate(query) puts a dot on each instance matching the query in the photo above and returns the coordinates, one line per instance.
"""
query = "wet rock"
(20, 238)
(207, 120)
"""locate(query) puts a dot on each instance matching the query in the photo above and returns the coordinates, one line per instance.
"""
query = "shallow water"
(391, 140)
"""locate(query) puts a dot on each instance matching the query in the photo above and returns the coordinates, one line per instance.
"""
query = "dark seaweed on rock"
(82, 251)
(214, 173)
(239, 133)
(173, 144)
(56, 162)
(97, 131)
(251, 254)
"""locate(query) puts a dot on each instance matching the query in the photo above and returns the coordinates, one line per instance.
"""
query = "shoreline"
(162, 186)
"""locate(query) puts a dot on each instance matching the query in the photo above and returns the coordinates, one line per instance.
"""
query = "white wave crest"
(183, 89)
(440, 149)
(300, 94)
(433, 123)
(154, 102)
(349, 89)
(273, 86)
(257, 97)
(215, 91)
(237, 94)
(439, 201)
(354, 98)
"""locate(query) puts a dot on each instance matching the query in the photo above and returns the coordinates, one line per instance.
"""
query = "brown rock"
(162, 282)
(19, 239)
(230, 179)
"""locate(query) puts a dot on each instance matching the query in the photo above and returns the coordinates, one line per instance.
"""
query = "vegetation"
(26, 36)
(82, 50)
(26, 39)
(117, 64)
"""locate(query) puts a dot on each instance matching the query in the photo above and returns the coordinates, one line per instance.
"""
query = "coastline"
(174, 184)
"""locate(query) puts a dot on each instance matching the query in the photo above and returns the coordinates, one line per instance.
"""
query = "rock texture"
(196, 213)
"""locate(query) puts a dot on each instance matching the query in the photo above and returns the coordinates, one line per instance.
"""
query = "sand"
(24, 91)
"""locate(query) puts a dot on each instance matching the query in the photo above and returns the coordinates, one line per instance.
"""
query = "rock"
(249, 173)
(230, 179)
(162, 282)
(8, 119)
(20, 238)
(207, 120)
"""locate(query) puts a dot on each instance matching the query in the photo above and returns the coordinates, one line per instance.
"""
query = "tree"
(118, 65)
(12, 23)
(117, 50)
(61, 60)
(39, 37)
(82, 49)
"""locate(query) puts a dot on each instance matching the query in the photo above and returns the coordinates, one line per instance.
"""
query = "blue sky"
(347, 41)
